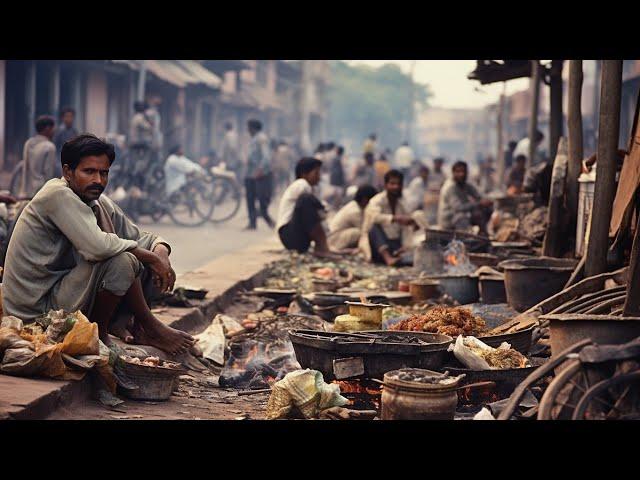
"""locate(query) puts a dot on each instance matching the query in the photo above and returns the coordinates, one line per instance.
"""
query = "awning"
(177, 72)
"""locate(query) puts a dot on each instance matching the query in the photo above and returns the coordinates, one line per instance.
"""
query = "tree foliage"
(365, 99)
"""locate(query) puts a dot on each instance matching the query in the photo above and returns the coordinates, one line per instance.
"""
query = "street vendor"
(387, 229)
(461, 206)
(346, 225)
(74, 249)
(301, 214)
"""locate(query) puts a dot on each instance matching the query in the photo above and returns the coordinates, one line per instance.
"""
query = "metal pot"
(492, 289)
(462, 288)
(423, 289)
(410, 400)
(566, 329)
(529, 281)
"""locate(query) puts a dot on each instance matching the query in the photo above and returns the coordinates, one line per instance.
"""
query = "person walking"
(258, 178)
(39, 156)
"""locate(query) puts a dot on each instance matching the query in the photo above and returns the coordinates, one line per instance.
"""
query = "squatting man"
(74, 249)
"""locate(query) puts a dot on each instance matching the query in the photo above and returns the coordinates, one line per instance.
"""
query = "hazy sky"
(449, 83)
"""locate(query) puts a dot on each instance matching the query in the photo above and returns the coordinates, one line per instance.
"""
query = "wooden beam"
(608, 131)
(555, 106)
(632, 300)
(574, 126)
(533, 120)
(500, 141)
(554, 236)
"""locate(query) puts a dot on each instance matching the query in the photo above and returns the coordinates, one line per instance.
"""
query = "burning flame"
(356, 387)
(452, 260)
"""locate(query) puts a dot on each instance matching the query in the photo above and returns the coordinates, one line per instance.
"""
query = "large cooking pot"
(462, 288)
(529, 281)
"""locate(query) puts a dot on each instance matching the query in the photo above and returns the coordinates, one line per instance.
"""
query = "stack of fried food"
(452, 321)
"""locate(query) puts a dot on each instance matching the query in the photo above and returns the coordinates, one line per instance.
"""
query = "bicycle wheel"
(191, 206)
(226, 199)
(616, 398)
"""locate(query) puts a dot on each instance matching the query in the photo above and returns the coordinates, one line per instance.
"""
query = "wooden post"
(554, 236)
(608, 131)
(555, 106)
(632, 301)
(533, 120)
(574, 126)
(55, 90)
(500, 153)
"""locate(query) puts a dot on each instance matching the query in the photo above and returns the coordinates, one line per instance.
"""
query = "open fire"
(362, 394)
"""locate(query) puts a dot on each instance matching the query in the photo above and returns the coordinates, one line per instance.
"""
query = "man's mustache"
(98, 188)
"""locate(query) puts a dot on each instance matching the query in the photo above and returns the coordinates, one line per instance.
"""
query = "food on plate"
(452, 321)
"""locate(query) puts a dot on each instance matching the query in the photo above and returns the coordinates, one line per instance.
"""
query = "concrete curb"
(33, 398)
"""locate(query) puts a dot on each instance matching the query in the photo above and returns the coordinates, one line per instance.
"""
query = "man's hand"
(403, 219)
(163, 274)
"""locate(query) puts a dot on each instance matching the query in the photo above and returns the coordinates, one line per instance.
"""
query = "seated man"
(346, 225)
(301, 214)
(74, 249)
(461, 206)
(385, 231)
(515, 179)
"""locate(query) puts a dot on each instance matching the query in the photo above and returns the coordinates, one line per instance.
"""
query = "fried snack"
(452, 321)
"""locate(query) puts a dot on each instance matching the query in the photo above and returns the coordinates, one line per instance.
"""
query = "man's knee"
(120, 272)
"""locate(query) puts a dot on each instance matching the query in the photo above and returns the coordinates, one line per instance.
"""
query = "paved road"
(194, 247)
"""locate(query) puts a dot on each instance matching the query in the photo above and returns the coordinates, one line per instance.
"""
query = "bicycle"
(225, 193)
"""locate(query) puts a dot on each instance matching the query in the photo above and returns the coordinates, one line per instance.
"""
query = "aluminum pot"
(529, 281)
(410, 400)
(423, 289)
(462, 288)
(566, 329)
(492, 289)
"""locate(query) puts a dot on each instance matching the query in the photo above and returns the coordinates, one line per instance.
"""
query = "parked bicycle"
(225, 192)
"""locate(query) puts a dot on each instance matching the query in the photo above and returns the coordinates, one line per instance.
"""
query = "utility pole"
(142, 78)
(533, 121)
(500, 130)
(574, 126)
(305, 140)
(604, 194)
(555, 106)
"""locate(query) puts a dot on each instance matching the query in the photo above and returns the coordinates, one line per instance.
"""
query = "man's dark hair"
(175, 149)
(330, 145)
(139, 106)
(320, 148)
(340, 150)
(305, 165)
(254, 124)
(365, 192)
(438, 160)
(228, 126)
(43, 122)
(393, 174)
(70, 110)
(424, 168)
(521, 158)
(85, 145)
(512, 145)
(460, 163)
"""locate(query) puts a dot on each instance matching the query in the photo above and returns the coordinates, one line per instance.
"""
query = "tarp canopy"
(177, 72)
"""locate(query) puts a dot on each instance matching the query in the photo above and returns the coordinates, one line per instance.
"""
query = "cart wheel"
(616, 398)
(565, 391)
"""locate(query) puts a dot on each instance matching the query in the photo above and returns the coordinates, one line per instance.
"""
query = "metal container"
(492, 289)
(369, 312)
(585, 204)
(462, 288)
(422, 290)
(566, 329)
(412, 400)
(529, 281)
(520, 341)
(324, 351)
(324, 285)
(484, 259)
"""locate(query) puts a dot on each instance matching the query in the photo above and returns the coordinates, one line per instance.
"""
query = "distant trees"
(365, 99)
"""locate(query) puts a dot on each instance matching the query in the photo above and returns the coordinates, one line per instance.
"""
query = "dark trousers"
(258, 189)
(379, 239)
(296, 235)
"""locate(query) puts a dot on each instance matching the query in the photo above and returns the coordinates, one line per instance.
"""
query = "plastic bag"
(305, 390)
(468, 350)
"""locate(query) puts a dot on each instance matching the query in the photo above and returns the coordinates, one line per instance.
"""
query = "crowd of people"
(376, 207)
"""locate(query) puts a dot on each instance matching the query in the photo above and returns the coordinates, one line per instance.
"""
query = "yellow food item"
(351, 323)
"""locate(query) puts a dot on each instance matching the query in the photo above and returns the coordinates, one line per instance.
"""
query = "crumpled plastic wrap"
(304, 390)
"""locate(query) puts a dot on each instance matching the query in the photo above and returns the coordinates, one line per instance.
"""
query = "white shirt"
(414, 194)
(176, 169)
(403, 157)
(289, 199)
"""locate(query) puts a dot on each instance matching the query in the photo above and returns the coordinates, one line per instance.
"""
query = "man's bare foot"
(389, 259)
(120, 331)
(161, 336)
(326, 254)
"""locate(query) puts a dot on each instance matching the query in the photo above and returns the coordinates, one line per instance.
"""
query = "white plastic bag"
(464, 348)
